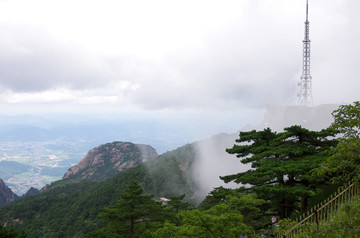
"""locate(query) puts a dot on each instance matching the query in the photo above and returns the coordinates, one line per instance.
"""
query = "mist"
(213, 161)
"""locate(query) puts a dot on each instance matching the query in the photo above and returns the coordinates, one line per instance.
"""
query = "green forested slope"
(70, 207)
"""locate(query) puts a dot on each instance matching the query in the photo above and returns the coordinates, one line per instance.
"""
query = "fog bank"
(213, 161)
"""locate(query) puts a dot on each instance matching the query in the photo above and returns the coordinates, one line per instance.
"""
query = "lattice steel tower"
(305, 84)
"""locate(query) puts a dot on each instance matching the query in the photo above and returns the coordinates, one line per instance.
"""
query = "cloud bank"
(175, 55)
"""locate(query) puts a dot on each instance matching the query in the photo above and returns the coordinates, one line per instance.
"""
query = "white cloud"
(60, 95)
(175, 55)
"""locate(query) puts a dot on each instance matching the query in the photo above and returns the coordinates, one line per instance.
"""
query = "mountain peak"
(32, 191)
(106, 160)
(6, 195)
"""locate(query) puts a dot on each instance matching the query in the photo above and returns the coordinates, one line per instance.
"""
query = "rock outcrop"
(104, 161)
(6, 195)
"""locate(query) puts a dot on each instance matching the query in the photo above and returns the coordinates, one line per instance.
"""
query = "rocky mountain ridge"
(6, 195)
(106, 160)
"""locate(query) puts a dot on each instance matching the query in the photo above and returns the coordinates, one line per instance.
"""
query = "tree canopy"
(344, 163)
(281, 164)
(232, 218)
(347, 120)
(11, 233)
(132, 215)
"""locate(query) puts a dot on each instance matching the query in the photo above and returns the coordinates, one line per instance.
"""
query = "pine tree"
(176, 203)
(281, 165)
(11, 233)
(132, 215)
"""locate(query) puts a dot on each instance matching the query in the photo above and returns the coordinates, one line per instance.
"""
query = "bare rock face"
(6, 195)
(104, 161)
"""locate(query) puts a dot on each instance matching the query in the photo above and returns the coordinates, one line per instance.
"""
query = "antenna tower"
(305, 84)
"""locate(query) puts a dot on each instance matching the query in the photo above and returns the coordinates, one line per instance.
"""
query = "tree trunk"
(131, 228)
(282, 209)
(304, 203)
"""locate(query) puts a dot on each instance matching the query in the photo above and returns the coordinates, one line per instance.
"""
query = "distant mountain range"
(92, 131)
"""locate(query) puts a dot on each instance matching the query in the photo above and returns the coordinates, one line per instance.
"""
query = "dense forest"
(290, 172)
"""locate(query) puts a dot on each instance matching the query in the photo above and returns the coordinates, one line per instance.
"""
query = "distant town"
(34, 164)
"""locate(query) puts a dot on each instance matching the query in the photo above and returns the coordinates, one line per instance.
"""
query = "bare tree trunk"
(131, 228)
(304, 203)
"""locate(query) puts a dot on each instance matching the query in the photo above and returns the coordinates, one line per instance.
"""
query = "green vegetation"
(134, 215)
(281, 165)
(222, 220)
(70, 208)
(344, 223)
(344, 163)
(347, 120)
(289, 171)
(11, 233)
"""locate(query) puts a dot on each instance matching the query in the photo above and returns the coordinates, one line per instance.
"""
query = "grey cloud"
(36, 62)
(257, 62)
(253, 61)
(221, 74)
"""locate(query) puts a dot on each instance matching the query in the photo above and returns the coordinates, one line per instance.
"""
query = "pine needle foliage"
(281, 165)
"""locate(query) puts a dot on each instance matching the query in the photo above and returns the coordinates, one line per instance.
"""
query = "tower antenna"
(305, 84)
(307, 10)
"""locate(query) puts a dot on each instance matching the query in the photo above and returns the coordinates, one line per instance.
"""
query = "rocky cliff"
(106, 160)
(6, 195)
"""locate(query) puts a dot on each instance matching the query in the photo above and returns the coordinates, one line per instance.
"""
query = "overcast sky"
(219, 59)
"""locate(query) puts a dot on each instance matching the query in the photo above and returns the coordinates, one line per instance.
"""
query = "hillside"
(70, 207)
(32, 191)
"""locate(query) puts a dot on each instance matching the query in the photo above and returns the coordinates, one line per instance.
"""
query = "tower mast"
(305, 84)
